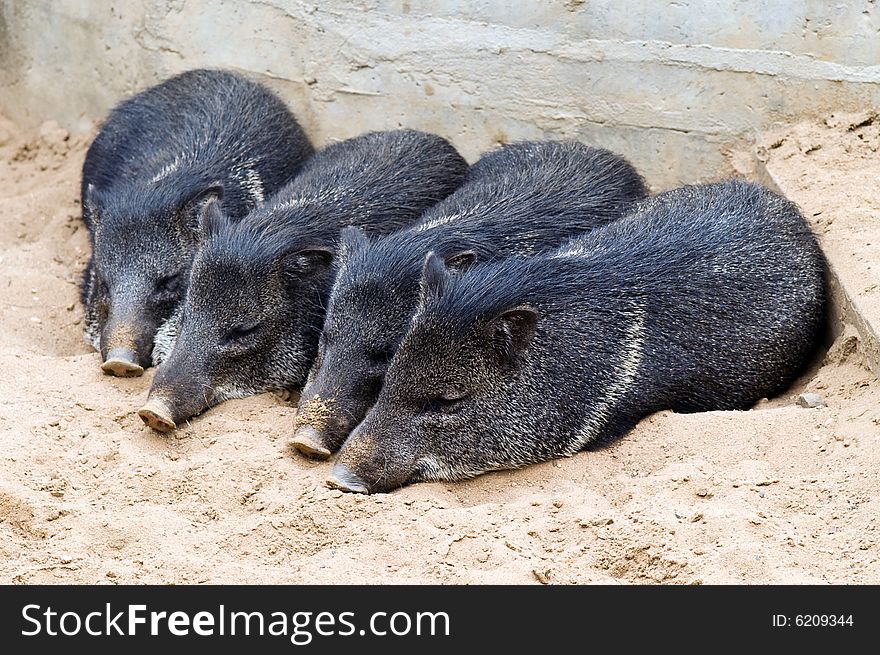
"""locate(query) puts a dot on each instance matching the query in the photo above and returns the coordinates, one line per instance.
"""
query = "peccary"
(704, 298)
(160, 156)
(258, 288)
(520, 199)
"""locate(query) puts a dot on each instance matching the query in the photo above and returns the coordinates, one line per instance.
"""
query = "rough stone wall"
(669, 84)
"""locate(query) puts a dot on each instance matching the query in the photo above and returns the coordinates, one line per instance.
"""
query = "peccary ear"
(461, 261)
(434, 278)
(193, 207)
(306, 262)
(351, 240)
(510, 332)
(211, 217)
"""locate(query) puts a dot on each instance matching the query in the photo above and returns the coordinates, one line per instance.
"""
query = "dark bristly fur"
(158, 157)
(258, 289)
(705, 298)
(520, 199)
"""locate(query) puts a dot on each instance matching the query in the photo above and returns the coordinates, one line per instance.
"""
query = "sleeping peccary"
(704, 298)
(160, 156)
(517, 200)
(258, 288)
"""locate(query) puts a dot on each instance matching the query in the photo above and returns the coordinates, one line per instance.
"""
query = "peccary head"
(249, 321)
(347, 375)
(143, 242)
(449, 401)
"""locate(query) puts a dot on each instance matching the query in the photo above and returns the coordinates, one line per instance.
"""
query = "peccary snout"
(343, 478)
(177, 394)
(157, 414)
(127, 341)
(327, 415)
(310, 442)
(375, 459)
(121, 362)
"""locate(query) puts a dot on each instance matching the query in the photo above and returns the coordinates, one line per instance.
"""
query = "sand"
(778, 494)
(832, 168)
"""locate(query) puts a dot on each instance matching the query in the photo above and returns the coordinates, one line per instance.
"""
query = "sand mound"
(88, 494)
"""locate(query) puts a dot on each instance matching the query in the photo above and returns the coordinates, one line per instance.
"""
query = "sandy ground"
(88, 494)
(832, 169)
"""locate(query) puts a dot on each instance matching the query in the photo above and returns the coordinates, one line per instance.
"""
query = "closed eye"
(241, 334)
(381, 355)
(168, 283)
(447, 401)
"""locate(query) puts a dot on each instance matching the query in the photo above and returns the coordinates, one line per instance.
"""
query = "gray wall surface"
(669, 84)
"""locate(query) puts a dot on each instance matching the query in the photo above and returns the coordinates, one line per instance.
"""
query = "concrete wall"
(669, 84)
